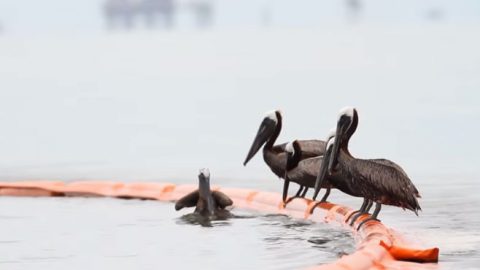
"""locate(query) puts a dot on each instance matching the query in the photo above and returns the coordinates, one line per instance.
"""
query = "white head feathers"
(330, 142)
(272, 115)
(348, 111)
(289, 148)
(331, 133)
(205, 172)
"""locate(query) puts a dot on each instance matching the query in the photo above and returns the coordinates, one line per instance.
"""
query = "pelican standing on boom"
(381, 182)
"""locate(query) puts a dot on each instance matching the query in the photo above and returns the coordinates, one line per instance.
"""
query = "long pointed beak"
(341, 129)
(322, 173)
(203, 186)
(205, 193)
(263, 133)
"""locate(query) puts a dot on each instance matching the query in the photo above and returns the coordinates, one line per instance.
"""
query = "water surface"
(103, 233)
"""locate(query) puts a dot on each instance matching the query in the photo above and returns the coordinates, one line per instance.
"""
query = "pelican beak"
(342, 127)
(323, 171)
(203, 185)
(267, 127)
(204, 191)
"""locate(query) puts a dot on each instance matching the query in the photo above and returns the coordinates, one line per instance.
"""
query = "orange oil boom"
(378, 247)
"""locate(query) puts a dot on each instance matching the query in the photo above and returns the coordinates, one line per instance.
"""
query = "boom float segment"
(378, 247)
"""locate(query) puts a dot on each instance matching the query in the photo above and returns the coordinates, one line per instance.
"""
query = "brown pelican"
(341, 181)
(303, 172)
(275, 156)
(208, 203)
(380, 181)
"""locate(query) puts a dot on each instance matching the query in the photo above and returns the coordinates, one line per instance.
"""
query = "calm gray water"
(90, 233)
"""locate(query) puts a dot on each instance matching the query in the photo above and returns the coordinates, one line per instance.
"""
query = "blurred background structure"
(54, 16)
(127, 13)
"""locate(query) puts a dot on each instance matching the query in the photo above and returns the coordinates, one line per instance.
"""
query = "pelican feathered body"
(382, 183)
(302, 171)
(207, 203)
(381, 180)
(276, 157)
(305, 171)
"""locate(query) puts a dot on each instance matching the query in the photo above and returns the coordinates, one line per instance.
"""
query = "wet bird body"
(378, 180)
(276, 157)
(205, 201)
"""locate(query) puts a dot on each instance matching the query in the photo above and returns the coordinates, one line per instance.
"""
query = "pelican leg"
(324, 198)
(299, 192)
(304, 192)
(369, 206)
(355, 214)
(286, 184)
(315, 206)
(378, 207)
(363, 210)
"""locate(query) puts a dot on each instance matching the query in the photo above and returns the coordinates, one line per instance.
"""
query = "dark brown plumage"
(380, 180)
(206, 202)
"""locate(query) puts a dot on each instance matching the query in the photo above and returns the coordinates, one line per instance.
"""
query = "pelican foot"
(315, 206)
(355, 217)
(365, 221)
(290, 199)
(350, 216)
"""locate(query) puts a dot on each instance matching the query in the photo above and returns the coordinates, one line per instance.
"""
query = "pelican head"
(331, 134)
(347, 122)
(289, 148)
(266, 130)
(294, 152)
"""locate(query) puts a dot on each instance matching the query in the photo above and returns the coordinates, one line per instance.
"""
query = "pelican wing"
(306, 171)
(189, 200)
(221, 199)
(397, 167)
(277, 157)
(384, 182)
(310, 148)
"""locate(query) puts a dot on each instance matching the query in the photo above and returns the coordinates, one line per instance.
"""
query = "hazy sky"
(166, 105)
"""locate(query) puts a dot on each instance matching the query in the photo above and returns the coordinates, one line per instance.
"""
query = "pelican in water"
(207, 203)
(275, 155)
(380, 181)
(302, 171)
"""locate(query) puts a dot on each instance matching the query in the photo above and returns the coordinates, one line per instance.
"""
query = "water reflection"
(220, 219)
(285, 232)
